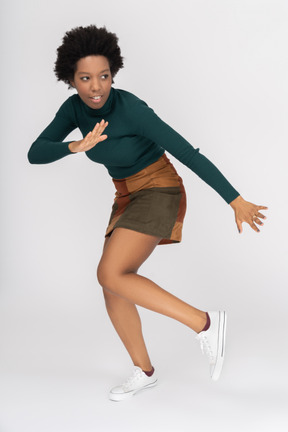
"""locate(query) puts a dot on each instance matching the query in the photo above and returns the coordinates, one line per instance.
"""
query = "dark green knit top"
(137, 137)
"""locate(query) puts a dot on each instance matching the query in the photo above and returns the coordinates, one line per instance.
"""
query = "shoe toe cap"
(117, 390)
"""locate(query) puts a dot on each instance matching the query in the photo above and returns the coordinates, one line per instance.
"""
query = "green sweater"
(137, 137)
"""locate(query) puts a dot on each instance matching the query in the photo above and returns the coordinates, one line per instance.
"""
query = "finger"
(86, 139)
(95, 130)
(102, 127)
(239, 226)
(100, 124)
(102, 137)
(254, 227)
(96, 127)
(258, 221)
(100, 131)
(260, 215)
(90, 140)
(99, 128)
(105, 125)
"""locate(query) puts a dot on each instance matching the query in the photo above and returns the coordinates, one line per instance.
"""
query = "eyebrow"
(87, 73)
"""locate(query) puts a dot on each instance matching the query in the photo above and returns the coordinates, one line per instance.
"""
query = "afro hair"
(82, 42)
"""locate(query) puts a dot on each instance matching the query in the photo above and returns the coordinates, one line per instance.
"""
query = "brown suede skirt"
(152, 201)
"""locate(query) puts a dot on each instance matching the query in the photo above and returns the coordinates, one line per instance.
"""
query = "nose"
(95, 84)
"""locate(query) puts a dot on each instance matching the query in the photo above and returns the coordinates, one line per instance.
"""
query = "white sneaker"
(138, 381)
(212, 342)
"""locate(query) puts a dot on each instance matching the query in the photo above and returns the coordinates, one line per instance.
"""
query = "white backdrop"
(216, 71)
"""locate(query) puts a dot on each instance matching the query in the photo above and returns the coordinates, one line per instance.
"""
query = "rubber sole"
(221, 346)
(117, 397)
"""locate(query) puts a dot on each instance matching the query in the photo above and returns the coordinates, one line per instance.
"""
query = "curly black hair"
(84, 41)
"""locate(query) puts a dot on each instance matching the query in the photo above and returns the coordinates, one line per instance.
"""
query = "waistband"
(161, 173)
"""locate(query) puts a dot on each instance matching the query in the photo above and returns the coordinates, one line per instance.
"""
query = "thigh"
(125, 251)
(106, 242)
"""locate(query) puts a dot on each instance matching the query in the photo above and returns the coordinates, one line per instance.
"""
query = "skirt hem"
(164, 240)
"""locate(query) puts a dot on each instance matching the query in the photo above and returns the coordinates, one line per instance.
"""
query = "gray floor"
(59, 382)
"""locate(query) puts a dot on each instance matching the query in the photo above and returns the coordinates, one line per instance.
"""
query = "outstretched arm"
(150, 125)
(146, 123)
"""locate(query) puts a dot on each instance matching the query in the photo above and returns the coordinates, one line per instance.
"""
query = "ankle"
(146, 368)
(150, 372)
(206, 325)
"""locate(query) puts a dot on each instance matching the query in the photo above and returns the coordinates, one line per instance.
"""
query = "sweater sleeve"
(49, 145)
(148, 124)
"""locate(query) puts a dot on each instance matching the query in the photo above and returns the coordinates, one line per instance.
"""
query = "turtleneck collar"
(106, 107)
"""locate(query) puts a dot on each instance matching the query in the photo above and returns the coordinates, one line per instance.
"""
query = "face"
(93, 80)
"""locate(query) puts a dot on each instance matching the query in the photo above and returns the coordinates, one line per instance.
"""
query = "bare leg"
(126, 321)
(123, 254)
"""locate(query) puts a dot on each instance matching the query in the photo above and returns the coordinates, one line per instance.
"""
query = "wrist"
(236, 201)
(71, 146)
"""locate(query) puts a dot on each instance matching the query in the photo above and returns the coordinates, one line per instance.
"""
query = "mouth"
(96, 99)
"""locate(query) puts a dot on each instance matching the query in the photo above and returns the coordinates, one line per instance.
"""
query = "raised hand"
(91, 139)
(247, 212)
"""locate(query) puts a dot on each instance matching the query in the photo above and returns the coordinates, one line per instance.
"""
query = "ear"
(72, 83)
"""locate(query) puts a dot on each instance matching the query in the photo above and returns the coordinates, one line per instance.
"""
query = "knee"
(104, 276)
(108, 275)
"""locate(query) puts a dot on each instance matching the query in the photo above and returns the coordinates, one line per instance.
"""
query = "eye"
(105, 76)
(84, 78)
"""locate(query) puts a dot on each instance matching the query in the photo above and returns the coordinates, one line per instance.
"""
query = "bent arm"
(49, 145)
(152, 127)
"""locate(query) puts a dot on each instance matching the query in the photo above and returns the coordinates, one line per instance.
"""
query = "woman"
(122, 132)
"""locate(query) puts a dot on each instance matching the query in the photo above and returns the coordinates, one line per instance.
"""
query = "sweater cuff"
(233, 195)
(68, 149)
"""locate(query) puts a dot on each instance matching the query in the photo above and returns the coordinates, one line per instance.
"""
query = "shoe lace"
(205, 346)
(133, 378)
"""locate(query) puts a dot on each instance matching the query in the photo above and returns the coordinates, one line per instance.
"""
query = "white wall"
(216, 71)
